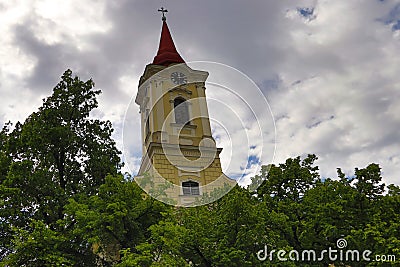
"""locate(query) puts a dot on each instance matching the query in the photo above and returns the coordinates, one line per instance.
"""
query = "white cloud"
(348, 76)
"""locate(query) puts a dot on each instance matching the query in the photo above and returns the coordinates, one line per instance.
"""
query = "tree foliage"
(58, 153)
(292, 209)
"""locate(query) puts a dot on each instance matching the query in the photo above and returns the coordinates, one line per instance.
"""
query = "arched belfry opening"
(181, 110)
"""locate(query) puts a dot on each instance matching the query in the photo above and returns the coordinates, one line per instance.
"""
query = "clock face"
(178, 78)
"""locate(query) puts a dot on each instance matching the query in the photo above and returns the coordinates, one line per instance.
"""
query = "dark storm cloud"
(231, 32)
(254, 38)
(110, 56)
(221, 32)
(132, 41)
(51, 60)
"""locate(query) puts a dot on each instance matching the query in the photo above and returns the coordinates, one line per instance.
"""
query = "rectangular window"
(190, 188)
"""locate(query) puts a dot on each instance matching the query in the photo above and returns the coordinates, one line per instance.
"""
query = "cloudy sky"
(330, 70)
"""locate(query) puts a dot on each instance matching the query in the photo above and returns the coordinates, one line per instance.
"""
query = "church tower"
(177, 144)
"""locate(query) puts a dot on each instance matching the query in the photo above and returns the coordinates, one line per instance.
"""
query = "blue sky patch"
(306, 12)
(270, 84)
(252, 160)
(396, 26)
(392, 18)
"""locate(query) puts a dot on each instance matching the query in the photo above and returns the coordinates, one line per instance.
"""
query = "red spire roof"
(167, 53)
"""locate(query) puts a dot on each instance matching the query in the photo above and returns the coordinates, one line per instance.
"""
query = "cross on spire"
(167, 53)
(163, 10)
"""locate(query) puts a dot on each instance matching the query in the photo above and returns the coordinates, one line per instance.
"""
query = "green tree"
(57, 153)
(283, 189)
(351, 208)
(327, 216)
(369, 187)
(289, 180)
(292, 209)
(376, 218)
(38, 245)
(227, 232)
(5, 161)
(117, 218)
